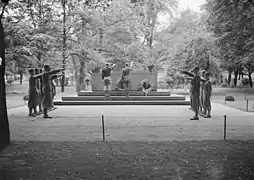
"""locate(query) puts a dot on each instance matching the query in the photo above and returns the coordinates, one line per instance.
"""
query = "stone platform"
(121, 93)
(118, 98)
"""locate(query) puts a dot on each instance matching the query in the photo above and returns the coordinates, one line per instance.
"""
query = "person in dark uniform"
(47, 89)
(125, 78)
(195, 93)
(33, 92)
(106, 77)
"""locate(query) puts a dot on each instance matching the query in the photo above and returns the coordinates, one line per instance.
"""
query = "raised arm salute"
(47, 89)
(125, 78)
(106, 77)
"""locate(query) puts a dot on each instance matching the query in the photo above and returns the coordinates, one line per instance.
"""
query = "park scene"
(126, 90)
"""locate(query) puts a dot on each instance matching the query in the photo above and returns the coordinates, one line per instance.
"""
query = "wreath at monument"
(88, 79)
(146, 84)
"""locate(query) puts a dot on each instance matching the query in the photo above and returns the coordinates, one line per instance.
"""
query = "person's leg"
(128, 88)
(195, 106)
(208, 106)
(191, 102)
(35, 111)
(30, 111)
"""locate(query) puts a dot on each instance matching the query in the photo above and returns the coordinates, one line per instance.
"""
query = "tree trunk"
(235, 79)
(229, 78)
(81, 75)
(101, 40)
(64, 45)
(21, 77)
(4, 123)
(76, 74)
(250, 79)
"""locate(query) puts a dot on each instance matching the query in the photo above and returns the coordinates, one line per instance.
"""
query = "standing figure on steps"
(195, 93)
(47, 89)
(106, 77)
(125, 78)
(207, 96)
(33, 92)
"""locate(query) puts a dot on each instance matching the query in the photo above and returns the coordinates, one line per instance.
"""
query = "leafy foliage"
(232, 22)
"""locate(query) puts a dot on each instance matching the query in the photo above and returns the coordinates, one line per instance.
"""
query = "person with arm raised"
(106, 77)
(125, 78)
(47, 89)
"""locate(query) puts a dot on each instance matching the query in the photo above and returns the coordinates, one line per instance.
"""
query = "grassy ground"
(204, 160)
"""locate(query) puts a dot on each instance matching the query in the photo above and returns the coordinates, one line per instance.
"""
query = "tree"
(4, 123)
(232, 24)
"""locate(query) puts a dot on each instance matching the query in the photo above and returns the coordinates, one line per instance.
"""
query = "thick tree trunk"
(82, 75)
(235, 79)
(64, 45)
(21, 77)
(250, 80)
(76, 74)
(4, 123)
(229, 78)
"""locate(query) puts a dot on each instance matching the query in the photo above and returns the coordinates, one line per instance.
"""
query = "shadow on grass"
(215, 160)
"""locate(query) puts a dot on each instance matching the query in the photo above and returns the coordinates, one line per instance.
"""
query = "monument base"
(121, 93)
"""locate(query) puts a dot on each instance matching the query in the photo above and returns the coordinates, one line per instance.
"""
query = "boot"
(46, 115)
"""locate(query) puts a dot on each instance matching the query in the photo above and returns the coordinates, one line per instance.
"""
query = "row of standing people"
(41, 90)
(200, 94)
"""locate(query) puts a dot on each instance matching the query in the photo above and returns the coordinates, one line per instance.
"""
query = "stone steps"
(122, 98)
(121, 93)
(116, 102)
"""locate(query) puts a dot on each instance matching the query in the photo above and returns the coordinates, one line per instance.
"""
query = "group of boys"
(41, 90)
(200, 94)
(124, 79)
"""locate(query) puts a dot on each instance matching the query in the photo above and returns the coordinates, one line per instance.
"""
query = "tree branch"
(2, 13)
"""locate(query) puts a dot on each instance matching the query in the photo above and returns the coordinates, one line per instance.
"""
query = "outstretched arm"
(37, 75)
(131, 65)
(56, 76)
(112, 67)
(56, 71)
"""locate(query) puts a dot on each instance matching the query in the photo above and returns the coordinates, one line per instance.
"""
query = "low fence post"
(225, 127)
(247, 105)
(103, 127)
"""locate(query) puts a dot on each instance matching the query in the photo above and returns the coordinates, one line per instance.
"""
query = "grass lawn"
(215, 160)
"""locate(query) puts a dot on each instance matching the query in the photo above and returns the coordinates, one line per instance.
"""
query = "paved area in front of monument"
(130, 123)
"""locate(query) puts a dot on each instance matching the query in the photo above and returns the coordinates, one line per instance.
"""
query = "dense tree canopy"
(232, 22)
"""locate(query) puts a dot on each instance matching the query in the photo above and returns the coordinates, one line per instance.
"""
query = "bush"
(10, 80)
(26, 97)
(224, 85)
(140, 85)
(214, 82)
(245, 81)
(229, 98)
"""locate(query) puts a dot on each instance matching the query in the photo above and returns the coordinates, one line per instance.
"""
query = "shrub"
(26, 97)
(229, 98)
(224, 85)
(245, 81)
(140, 85)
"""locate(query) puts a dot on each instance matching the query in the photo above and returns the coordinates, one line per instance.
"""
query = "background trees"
(218, 38)
(232, 24)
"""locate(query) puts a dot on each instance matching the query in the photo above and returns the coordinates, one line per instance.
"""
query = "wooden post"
(103, 127)
(247, 105)
(225, 127)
